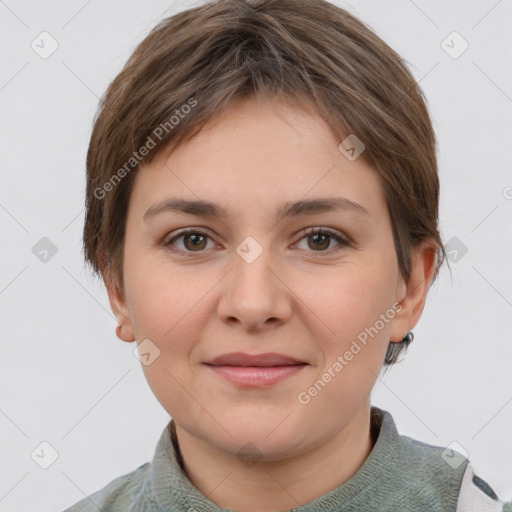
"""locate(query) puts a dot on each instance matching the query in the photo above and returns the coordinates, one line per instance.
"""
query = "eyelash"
(310, 231)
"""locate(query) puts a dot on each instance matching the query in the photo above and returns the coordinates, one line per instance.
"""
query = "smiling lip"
(258, 370)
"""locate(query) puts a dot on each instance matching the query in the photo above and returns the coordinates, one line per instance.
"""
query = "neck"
(281, 484)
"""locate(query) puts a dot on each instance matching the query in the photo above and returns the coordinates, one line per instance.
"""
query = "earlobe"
(124, 334)
(116, 297)
(118, 305)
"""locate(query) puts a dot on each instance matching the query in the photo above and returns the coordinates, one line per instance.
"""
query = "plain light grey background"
(66, 379)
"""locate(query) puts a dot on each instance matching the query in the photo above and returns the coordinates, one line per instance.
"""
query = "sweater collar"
(171, 489)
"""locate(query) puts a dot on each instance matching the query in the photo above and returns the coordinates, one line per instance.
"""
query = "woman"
(262, 204)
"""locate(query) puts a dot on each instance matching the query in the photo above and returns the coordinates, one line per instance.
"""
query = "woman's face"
(254, 282)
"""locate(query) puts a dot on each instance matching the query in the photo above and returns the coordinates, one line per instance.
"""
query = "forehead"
(257, 155)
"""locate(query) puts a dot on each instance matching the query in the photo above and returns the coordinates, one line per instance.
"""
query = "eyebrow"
(289, 209)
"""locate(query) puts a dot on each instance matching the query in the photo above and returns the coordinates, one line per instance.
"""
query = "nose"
(255, 293)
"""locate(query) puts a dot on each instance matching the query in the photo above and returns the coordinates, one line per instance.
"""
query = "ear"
(118, 304)
(413, 294)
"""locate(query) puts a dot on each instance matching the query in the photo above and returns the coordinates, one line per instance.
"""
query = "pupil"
(195, 238)
(316, 235)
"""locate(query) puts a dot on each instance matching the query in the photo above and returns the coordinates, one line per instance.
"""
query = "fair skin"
(304, 297)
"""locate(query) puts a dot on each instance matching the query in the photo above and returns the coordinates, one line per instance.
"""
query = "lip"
(258, 370)
(243, 359)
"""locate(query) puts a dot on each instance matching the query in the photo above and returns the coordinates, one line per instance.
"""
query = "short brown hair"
(311, 53)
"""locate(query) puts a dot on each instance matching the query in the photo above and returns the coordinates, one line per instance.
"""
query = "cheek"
(159, 298)
(166, 312)
(350, 297)
(170, 308)
(350, 309)
(355, 344)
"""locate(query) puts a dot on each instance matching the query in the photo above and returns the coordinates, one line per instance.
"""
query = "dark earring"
(408, 338)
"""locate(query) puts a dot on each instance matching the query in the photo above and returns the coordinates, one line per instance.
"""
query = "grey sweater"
(400, 475)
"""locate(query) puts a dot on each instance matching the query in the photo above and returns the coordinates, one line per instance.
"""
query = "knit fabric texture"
(400, 475)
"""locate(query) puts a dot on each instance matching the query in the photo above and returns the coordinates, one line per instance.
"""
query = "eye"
(193, 240)
(321, 239)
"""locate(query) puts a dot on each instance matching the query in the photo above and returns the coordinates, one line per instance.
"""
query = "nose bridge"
(252, 267)
(254, 292)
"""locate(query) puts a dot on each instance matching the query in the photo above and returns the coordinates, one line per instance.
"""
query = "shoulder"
(433, 458)
(430, 477)
(416, 460)
(434, 473)
(416, 475)
(117, 495)
(453, 475)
